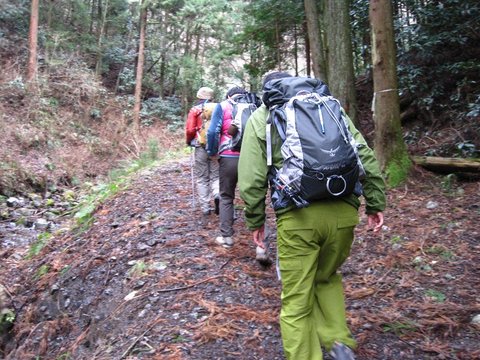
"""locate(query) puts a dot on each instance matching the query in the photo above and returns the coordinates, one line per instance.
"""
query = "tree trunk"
(341, 80)
(390, 149)
(295, 48)
(98, 66)
(138, 81)
(48, 46)
(161, 81)
(188, 36)
(315, 40)
(163, 31)
(122, 67)
(198, 38)
(277, 46)
(92, 16)
(307, 49)
(32, 43)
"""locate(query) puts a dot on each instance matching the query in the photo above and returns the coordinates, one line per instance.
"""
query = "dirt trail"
(146, 281)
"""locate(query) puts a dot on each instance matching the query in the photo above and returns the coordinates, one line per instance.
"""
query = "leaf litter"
(147, 281)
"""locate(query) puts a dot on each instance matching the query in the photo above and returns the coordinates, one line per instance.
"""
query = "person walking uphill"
(219, 143)
(313, 238)
(206, 168)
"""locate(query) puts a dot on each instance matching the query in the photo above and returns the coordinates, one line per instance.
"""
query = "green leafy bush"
(126, 80)
(14, 17)
(168, 110)
(438, 59)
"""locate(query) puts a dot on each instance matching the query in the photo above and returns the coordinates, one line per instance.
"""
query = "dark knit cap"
(236, 90)
(274, 75)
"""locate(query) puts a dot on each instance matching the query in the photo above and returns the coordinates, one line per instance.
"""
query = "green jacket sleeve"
(373, 184)
(253, 169)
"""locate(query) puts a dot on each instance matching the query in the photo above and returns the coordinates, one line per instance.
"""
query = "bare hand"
(258, 236)
(375, 221)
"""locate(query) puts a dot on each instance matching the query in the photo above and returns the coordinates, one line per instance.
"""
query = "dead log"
(448, 165)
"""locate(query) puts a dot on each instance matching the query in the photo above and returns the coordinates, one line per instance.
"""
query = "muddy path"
(147, 281)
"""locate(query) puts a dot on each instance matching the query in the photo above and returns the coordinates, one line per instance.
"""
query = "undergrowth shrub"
(72, 83)
(14, 178)
(168, 110)
(126, 80)
(29, 137)
(14, 16)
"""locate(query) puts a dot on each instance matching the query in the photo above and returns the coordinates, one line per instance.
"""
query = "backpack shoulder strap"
(268, 137)
(275, 118)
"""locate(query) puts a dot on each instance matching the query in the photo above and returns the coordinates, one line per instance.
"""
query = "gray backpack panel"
(319, 152)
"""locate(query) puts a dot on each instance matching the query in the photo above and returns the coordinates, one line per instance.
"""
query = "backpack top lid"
(247, 98)
(279, 91)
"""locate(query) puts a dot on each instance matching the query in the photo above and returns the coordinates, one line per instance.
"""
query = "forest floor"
(147, 281)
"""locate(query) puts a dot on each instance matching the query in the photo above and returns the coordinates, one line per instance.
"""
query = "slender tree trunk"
(390, 148)
(176, 71)
(48, 46)
(308, 63)
(188, 37)
(198, 37)
(161, 81)
(315, 40)
(184, 90)
(127, 47)
(277, 45)
(163, 50)
(32, 43)
(68, 14)
(99, 13)
(138, 82)
(341, 80)
(92, 16)
(98, 67)
(295, 49)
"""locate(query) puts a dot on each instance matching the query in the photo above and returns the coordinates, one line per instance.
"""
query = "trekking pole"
(192, 163)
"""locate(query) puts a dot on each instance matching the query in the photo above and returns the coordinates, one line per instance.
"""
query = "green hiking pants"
(312, 244)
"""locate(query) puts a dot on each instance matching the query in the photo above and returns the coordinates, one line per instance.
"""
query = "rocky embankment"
(26, 224)
(24, 220)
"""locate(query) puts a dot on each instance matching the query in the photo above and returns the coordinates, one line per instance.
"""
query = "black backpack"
(243, 107)
(320, 158)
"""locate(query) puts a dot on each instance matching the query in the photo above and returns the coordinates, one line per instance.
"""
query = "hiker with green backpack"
(303, 146)
(205, 167)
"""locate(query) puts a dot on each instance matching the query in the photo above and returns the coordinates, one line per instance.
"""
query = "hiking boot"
(225, 241)
(341, 352)
(262, 256)
(217, 205)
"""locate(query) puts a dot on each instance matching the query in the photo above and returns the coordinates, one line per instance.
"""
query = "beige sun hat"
(205, 93)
